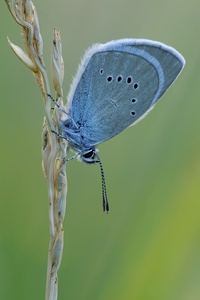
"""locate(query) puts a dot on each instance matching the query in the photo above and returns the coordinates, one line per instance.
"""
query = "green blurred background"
(148, 246)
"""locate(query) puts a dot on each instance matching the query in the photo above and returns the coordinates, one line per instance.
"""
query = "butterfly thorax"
(71, 131)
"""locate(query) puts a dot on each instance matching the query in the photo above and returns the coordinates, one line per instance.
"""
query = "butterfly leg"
(74, 156)
(59, 135)
(58, 106)
(62, 137)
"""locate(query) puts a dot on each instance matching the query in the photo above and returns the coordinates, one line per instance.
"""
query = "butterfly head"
(88, 156)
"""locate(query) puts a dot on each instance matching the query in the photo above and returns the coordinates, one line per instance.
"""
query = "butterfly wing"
(118, 83)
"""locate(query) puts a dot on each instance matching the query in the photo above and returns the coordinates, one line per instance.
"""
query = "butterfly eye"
(89, 154)
(136, 86)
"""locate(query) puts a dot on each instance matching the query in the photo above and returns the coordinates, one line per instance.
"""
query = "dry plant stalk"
(53, 149)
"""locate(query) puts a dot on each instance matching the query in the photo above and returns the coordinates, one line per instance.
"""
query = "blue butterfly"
(116, 85)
